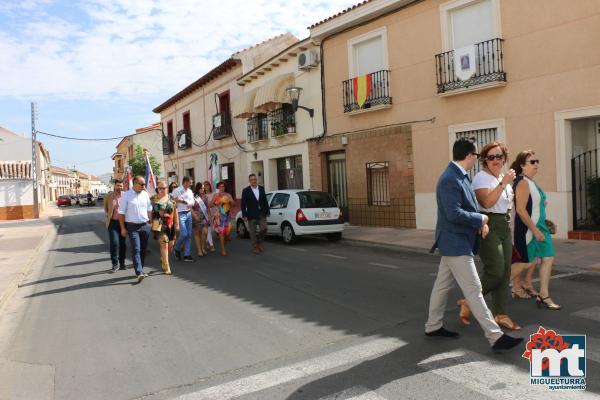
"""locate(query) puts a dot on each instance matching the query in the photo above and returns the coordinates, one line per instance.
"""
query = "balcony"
(282, 121)
(258, 128)
(488, 63)
(222, 125)
(377, 92)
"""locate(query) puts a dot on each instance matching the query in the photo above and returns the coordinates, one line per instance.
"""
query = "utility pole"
(36, 211)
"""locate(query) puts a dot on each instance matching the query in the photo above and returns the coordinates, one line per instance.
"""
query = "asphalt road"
(316, 320)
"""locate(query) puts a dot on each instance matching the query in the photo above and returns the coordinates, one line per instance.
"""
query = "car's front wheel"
(242, 231)
(287, 232)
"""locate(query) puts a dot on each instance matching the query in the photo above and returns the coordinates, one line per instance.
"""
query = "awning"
(272, 94)
(244, 106)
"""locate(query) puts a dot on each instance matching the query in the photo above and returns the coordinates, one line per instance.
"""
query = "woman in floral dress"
(165, 214)
(223, 203)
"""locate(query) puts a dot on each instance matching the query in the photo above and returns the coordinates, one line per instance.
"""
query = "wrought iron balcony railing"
(258, 128)
(222, 125)
(377, 92)
(282, 121)
(489, 66)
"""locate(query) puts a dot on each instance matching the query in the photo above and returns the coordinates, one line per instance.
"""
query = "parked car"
(64, 201)
(298, 213)
(83, 201)
(101, 196)
(74, 199)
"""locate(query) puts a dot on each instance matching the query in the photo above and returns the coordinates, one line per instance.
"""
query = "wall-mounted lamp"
(255, 156)
(294, 93)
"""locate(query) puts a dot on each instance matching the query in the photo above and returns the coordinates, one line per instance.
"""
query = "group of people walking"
(176, 215)
(474, 217)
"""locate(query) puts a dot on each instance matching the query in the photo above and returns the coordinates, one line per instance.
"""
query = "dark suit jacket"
(458, 219)
(252, 208)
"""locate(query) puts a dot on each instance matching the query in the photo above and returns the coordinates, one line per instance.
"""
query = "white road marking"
(492, 378)
(333, 256)
(279, 376)
(558, 276)
(384, 265)
(297, 249)
(355, 393)
(592, 313)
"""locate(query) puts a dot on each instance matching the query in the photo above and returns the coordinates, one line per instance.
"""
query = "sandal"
(519, 294)
(531, 291)
(505, 321)
(465, 313)
(550, 305)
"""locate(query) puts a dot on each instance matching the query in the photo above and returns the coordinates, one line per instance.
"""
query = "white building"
(277, 136)
(16, 178)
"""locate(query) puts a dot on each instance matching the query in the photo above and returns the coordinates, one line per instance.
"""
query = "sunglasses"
(533, 162)
(141, 184)
(161, 188)
(492, 157)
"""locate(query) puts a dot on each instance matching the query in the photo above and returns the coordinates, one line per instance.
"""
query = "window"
(224, 103)
(378, 183)
(269, 197)
(258, 128)
(170, 136)
(481, 137)
(368, 53)
(316, 200)
(466, 22)
(280, 200)
(188, 128)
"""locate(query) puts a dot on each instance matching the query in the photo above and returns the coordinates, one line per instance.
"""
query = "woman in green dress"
(532, 238)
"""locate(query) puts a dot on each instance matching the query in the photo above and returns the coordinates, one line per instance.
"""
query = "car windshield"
(316, 200)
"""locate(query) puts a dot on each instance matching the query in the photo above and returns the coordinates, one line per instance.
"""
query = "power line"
(81, 139)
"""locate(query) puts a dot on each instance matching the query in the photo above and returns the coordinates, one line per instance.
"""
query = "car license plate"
(322, 215)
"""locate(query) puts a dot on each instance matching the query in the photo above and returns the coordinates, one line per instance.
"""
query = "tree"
(138, 163)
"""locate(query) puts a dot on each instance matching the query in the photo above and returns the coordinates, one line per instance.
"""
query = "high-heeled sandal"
(519, 294)
(505, 321)
(549, 305)
(531, 291)
(465, 313)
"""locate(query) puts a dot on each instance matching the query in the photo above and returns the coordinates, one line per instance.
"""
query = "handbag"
(551, 226)
(156, 225)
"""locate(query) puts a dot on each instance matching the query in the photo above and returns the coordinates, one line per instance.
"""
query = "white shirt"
(186, 195)
(484, 180)
(135, 206)
(256, 192)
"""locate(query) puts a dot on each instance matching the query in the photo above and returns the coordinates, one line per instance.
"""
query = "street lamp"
(294, 93)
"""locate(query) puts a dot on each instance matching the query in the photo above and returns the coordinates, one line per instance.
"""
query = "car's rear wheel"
(334, 237)
(288, 234)
(242, 231)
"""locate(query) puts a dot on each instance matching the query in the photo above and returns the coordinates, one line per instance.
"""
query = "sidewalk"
(21, 242)
(583, 254)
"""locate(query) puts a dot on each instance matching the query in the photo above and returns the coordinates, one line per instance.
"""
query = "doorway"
(336, 180)
(228, 175)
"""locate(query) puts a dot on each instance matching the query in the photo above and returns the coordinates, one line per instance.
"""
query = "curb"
(425, 252)
(40, 249)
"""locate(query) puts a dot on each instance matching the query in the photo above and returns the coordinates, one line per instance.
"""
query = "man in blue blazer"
(458, 227)
(255, 210)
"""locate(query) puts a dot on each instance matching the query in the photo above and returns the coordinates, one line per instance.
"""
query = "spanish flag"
(362, 89)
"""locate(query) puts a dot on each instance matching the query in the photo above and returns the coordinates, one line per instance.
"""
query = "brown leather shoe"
(260, 248)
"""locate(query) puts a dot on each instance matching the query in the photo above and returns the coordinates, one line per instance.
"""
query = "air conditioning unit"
(308, 59)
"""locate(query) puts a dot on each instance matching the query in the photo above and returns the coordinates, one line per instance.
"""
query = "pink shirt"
(115, 214)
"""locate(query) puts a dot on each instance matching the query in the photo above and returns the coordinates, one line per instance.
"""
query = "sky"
(97, 68)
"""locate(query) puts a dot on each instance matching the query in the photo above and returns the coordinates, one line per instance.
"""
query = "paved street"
(316, 320)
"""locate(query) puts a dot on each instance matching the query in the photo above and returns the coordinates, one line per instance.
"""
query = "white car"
(297, 213)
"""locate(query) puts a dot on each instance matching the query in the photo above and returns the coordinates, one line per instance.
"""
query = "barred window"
(481, 138)
(378, 183)
(258, 128)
